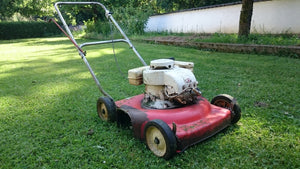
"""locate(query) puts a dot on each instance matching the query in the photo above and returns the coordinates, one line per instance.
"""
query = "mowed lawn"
(48, 115)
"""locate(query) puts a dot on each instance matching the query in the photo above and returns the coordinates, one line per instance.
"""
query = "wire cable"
(113, 47)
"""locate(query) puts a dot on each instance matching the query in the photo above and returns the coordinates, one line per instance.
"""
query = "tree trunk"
(245, 18)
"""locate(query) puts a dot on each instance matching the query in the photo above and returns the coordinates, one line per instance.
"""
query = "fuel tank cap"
(162, 64)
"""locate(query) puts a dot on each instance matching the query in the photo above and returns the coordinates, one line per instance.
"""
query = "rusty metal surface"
(194, 123)
(138, 119)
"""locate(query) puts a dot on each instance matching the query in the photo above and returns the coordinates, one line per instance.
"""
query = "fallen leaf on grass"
(260, 104)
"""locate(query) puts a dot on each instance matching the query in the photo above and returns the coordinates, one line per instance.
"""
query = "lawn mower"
(171, 114)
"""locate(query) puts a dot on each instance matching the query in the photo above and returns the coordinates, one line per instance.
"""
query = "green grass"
(48, 105)
(258, 39)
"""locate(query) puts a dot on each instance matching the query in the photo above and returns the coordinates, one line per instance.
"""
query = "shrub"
(99, 26)
(18, 30)
(131, 19)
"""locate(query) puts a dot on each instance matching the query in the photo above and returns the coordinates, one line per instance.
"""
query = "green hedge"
(18, 30)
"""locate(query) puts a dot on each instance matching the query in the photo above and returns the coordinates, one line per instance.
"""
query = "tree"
(245, 18)
(38, 8)
(187, 4)
(163, 6)
(7, 8)
(27, 8)
(30, 8)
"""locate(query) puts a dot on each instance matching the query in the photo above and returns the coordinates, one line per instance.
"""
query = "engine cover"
(168, 85)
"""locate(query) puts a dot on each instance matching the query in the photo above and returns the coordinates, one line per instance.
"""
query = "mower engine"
(168, 83)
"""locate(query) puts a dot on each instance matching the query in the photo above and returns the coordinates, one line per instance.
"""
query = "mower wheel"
(228, 102)
(160, 139)
(106, 109)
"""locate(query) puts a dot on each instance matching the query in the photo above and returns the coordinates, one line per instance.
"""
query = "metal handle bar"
(108, 16)
(102, 42)
(80, 51)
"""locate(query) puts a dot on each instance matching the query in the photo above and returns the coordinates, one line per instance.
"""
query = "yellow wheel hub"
(103, 112)
(156, 141)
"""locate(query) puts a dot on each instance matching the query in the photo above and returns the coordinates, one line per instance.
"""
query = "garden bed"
(281, 50)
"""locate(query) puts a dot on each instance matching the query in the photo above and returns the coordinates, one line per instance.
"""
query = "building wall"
(276, 16)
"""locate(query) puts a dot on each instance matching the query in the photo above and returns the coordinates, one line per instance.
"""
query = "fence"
(276, 16)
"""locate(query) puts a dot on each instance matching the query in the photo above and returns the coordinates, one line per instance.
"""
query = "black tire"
(107, 109)
(228, 102)
(160, 139)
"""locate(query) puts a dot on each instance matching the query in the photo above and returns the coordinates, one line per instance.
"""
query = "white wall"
(277, 16)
